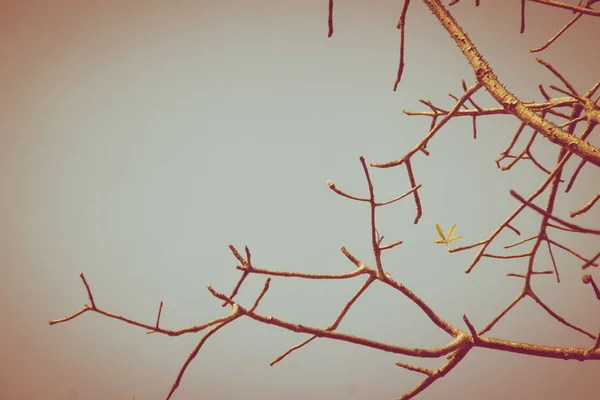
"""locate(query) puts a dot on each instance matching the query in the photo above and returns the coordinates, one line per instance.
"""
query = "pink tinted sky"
(138, 139)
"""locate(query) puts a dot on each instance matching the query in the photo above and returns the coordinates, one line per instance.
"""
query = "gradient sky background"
(138, 139)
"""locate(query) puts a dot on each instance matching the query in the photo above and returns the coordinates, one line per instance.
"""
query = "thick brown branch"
(486, 76)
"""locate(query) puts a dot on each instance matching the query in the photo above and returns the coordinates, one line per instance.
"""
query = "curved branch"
(509, 101)
(454, 345)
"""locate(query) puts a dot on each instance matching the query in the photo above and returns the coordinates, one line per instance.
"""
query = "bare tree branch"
(569, 112)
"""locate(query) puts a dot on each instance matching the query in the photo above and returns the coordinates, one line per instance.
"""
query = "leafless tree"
(567, 118)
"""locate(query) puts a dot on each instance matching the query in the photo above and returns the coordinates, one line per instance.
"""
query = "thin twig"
(557, 35)
(552, 217)
(401, 27)
(330, 19)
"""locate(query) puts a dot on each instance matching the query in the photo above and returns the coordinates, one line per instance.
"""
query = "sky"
(138, 139)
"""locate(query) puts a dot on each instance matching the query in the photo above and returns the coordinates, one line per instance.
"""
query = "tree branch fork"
(455, 350)
(463, 340)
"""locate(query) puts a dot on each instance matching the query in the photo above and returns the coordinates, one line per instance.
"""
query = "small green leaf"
(451, 231)
(454, 238)
(440, 231)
